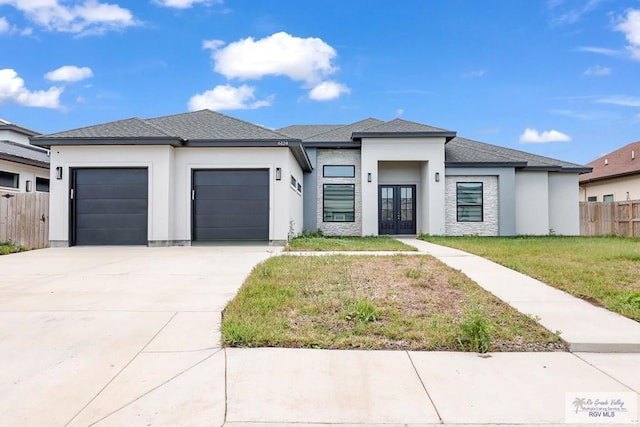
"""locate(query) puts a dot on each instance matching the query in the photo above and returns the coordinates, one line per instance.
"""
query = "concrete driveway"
(116, 335)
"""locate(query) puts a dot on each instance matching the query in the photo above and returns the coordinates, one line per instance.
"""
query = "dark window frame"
(353, 207)
(15, 177)
(459, 205)
(606, 196)
(40, 181)
(294, 182)
(352, 175)
(592, 199)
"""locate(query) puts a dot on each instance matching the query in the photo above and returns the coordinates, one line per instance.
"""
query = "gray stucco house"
(23, 167)
(204, 176)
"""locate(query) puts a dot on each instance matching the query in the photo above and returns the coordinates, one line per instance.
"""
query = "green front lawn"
(602, 270)
(411, 302)
(7, 248)
(370, 243)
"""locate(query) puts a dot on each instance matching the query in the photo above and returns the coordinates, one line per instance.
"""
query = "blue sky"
(554, 77)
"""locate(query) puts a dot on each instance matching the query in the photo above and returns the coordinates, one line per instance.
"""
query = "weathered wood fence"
(619, 218)
(24, 219)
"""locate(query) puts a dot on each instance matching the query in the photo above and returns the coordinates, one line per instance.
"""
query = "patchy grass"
(7, 248)
(370, 243)
(373, 302)
(602, 270)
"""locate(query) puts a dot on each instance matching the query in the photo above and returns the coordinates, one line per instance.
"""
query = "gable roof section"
(405, 128)
(24, 154)
(343, 133)
(463, 152)
(208, 125)
(306, 131)
(621, 162)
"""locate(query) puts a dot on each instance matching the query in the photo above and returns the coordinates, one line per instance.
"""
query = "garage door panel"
(122, 206)
(231, 205)
(232, 177)
(112, 176)
(232, 192)
(110, 236)
(129, 221)
(110, 206)
(112, 191)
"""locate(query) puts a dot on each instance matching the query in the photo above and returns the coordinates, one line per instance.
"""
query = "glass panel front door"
(397, 209)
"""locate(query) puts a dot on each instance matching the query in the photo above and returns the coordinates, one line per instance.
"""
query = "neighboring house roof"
(621, 162)
(6, 125)
(24, 154)
(306, 131)
(462, 152)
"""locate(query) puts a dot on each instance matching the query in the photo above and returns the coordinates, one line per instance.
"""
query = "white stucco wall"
(625, 188)
(25, 172)
(564, 210)
(429, 153)
(490, 207)
(296, 216)
(188, 159)
(156, 158)
(532, 202)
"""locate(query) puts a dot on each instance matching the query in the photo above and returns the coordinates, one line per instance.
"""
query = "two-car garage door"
(110, 206)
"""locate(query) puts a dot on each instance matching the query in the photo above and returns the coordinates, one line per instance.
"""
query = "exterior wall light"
(278, 174)
(369, 177)
(28, 186)
(437, 176)
(59, 172)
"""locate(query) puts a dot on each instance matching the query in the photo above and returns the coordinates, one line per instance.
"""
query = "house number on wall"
(283, 143)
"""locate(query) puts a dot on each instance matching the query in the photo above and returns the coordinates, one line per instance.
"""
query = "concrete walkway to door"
(116, 335)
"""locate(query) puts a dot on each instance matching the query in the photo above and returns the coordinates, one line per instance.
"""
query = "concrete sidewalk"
(585, 327)
(277, 387)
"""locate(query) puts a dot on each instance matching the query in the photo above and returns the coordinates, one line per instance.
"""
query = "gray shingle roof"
(400, 125)
(343, 133)
(128, 128)
(209, 125)
(22, 153)
(306, 131)
(462, 150)
(7, 125)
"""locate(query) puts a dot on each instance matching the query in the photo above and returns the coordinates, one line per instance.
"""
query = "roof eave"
(332, 144)
(427, 134)
(603, 178)
(19, 129)
(24, 160)
(485, 164)
(75, 141)
(559, 169)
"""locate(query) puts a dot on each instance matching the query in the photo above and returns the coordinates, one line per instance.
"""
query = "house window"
(469, 201)
(299, 188)
(343, 171)
(42, 184)
(339, 202)
(293, 182)
(592, 199)
(607, 198)
(8, 179)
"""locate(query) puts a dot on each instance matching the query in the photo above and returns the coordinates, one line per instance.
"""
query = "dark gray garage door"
(231, 205)
(109, 206)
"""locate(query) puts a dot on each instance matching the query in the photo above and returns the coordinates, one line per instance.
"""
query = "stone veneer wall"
(489, 227)
(339, 157)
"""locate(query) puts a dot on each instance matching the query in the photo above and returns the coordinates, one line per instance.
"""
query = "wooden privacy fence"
(24, 219)
(619, 218)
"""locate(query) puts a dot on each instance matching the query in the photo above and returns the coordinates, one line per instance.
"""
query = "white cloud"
(300, 59)
(622, 100)
(227, 97)
(4, 25)
(600, 50)
(183, 4)
(399, 112)
(327, 91)
(69, 73)
(12, 89)
(88, 17)
(598, 71)
(532, 136)
(212, 44)
(630, 26)
(573, 13)
(474, 74)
